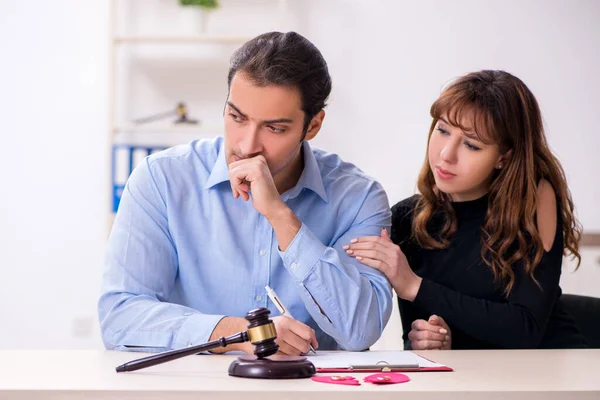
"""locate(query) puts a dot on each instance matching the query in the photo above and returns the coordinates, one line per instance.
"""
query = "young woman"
(476, 257)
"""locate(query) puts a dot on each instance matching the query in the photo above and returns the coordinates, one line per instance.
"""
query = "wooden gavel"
(261, 333)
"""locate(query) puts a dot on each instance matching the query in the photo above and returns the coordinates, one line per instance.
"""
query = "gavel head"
(261, 332)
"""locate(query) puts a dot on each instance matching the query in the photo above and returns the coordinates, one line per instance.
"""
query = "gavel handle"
(163, 357)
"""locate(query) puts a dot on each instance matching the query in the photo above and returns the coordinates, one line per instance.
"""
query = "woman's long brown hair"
(500, 106)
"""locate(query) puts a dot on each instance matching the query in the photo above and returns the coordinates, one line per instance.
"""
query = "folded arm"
(349, 301)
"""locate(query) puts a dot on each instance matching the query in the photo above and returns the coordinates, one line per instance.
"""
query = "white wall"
(54, 171)
(389, 60)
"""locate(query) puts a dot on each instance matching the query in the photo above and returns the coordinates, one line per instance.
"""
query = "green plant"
(209, 4)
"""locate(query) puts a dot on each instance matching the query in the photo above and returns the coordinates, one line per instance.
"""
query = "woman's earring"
(499, 166)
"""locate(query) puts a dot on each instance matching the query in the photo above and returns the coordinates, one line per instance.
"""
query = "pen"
(284, 311)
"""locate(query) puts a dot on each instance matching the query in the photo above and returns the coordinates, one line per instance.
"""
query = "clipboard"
(375, 361)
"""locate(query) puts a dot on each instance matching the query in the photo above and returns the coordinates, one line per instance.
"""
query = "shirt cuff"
(302, 254)
(196, 330)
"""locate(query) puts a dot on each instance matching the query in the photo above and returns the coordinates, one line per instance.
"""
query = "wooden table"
(515, 374)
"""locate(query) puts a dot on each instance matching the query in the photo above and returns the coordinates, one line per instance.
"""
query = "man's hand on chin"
(253, 174)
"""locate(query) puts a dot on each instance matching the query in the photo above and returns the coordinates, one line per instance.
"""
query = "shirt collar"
(311, 176)
(310, 179)
(220, 171)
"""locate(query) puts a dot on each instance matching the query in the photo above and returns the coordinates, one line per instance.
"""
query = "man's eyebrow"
(237, 109)
(268, 121)
(278, 121)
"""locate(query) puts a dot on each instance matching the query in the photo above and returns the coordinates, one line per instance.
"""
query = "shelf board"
(198, 39)
(163, 135)
(170, 128)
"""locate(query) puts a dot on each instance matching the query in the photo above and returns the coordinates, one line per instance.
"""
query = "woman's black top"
(458, 286)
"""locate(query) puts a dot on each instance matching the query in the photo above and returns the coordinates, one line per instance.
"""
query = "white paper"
(344, 359)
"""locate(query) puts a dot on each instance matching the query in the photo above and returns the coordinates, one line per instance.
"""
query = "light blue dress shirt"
(183, 253)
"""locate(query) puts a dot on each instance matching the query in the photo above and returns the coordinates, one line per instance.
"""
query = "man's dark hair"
(285, 59)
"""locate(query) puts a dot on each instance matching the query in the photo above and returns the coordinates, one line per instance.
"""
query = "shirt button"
(258, 298)
(294, 265)
(262, 252)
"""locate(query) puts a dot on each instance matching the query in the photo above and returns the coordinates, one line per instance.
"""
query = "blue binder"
(122, 166)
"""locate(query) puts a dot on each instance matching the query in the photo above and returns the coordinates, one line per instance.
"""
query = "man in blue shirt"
(203, 228)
